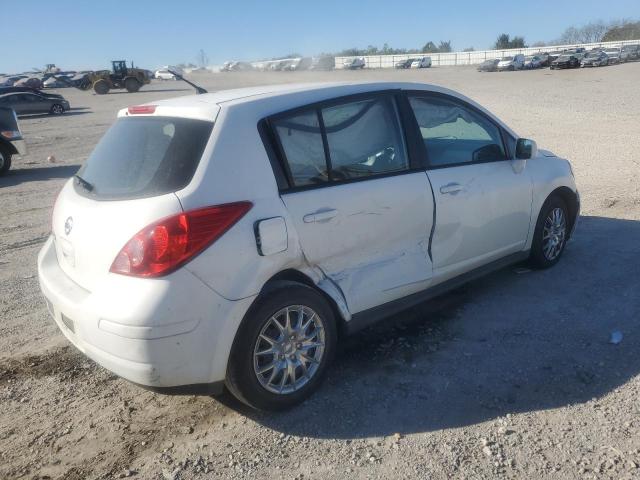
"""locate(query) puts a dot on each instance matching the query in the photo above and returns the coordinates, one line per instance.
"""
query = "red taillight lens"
(164, 246)
(141, 109)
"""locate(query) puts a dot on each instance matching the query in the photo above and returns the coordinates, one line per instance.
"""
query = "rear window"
(144, 157)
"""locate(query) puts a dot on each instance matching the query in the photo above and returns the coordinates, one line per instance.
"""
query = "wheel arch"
(337, 305)
(571, 199)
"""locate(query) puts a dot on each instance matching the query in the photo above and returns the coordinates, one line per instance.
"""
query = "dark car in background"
(26, 103)
(551, 56)
(489, 65)
(544, 59)
(566, 61)
(405, 63)
(11, 141)
(595, 58)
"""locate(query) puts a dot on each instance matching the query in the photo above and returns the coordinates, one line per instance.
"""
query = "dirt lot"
(511, 376)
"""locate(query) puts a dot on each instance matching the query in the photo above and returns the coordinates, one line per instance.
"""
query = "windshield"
(507, 59)
(564, 58)
(145, 156)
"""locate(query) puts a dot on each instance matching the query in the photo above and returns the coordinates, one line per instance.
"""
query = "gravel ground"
(510, 376)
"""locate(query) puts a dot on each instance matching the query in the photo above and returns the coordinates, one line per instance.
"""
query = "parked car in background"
(325, 62)
(613, 54)
(354, 63)
(322, 212)
(632, 51)
(52, 82)
(4, 90)
(30, 103)
(9, 81)
(565, 61)
(595, 58)
(404, 64)
(423, 62)
(165, 74)
(544, 59)
(490, 65)
(31, 82)
(553, 56)
(515, 62)
(11, 140)
(532, 61)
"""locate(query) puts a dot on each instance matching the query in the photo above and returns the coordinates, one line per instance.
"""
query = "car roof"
(282, 97)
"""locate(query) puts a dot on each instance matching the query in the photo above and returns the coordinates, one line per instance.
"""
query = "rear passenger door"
(360, 205)
(483, 198)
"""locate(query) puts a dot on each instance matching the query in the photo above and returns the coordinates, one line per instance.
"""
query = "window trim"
(277, 157)
(426, 94)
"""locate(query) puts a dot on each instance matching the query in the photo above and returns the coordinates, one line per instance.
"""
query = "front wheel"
(5, 160)
(282, 348)
(57, 109)
(550, 236)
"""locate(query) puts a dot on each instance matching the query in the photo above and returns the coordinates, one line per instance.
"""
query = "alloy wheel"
(553, 234)
(289, 349)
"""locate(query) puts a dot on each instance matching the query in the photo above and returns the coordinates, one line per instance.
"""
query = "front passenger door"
(483, 199)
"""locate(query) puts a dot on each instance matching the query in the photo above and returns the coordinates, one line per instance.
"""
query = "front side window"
(455, 134)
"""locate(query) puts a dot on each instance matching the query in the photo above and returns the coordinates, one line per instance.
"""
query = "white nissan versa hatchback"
(232, 238)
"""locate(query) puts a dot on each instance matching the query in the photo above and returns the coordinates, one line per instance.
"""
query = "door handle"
(320, 216)
(451, 188)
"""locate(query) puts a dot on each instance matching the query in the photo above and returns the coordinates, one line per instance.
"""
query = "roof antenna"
(199, 90)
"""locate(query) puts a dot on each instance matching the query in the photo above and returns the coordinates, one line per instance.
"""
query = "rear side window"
(454, 134)
(145, 156)
(342, 142)
(301, 141)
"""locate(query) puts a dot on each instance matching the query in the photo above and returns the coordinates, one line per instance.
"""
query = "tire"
(551, 232)
(5, 160)
(101, 87)
(132, 85)
(264, 390)
(56, 109)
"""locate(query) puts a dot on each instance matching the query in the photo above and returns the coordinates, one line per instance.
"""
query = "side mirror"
(526, 149)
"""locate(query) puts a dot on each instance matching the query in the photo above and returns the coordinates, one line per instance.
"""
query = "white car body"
(362, 244)
(511, 63)
(424, 62)
(354, 63)
(164, 73)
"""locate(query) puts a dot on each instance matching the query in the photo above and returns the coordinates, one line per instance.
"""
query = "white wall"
(472, 58)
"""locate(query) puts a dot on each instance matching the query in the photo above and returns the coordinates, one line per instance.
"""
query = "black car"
(11, 141)
(27, 103)
(596, 58)
(565, 61)
(4, 90)
(489, 65)
(405, 63)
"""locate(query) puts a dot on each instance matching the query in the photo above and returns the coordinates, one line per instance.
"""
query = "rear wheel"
(550, 236)
(132, 85)
(57, 109)
(5, 160)
(282, 349)
(101, 87)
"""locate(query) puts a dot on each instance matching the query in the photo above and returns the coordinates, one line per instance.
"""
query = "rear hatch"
(127, 183)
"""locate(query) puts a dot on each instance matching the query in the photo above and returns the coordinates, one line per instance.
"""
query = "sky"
(87, 34)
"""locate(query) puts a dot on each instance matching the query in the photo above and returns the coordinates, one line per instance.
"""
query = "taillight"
(162, 247)
(141, 109)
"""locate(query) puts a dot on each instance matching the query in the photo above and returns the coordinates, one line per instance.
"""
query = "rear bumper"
(173, 333)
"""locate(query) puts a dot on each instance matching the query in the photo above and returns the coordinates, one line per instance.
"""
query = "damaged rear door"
(362, 209)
